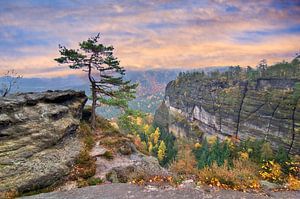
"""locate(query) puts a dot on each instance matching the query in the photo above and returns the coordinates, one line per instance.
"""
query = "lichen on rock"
(38, 140)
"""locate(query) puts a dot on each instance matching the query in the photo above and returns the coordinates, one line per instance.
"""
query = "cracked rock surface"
(38, 141)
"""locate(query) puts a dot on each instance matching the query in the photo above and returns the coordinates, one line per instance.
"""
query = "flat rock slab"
(98, 151)
(122, 191)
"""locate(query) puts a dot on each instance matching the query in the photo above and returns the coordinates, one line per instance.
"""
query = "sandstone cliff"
(264, 109)
(38, 140)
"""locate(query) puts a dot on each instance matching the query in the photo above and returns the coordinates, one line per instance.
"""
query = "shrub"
(185, 163)
(293, 168)
(241, 176)
(293, 183)
(197, 145)
(83, 158)
(252, 147)
(85, 164)
(82, 183)
(87, 135)
(108, 155)
(94, 181)
(244, 155)
(282, 156)
(271, 171)
(266, 151)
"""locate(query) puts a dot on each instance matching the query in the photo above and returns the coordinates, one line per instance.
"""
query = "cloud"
(145, 34)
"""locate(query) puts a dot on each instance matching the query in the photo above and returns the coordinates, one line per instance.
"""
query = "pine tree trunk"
(93, 116)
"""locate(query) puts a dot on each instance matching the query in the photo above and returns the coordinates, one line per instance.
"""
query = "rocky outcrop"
(38, 140)
(265, 109)
(125, 163)
(131, 167)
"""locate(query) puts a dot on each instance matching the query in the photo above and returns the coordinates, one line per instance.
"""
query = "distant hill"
(42, 84)
(150, 92)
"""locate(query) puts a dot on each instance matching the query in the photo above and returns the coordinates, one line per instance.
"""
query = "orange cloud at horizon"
(157, 34)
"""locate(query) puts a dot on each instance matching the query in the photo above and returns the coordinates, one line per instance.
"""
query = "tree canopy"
(104, 72)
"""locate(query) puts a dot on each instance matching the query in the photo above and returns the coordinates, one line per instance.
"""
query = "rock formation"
(265, 109)
(38, 141)
(127, 167)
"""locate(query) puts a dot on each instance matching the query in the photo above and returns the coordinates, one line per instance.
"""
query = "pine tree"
(105, 74)
(185, 162)
(202, 155)
(150, 147)
(161, 151)
(156, 135)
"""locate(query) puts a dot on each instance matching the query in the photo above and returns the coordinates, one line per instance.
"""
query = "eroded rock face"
(266, 109)
(38, 140)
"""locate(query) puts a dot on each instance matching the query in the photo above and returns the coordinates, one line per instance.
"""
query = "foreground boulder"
(38, 141)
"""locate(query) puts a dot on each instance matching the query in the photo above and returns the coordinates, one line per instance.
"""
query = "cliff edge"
(267, 108)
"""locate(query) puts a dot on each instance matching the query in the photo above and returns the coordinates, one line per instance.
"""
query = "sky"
(148, 34)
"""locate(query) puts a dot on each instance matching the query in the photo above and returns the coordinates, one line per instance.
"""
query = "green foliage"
(108, 155)
(266, 151)
(86, 134)
(296, 93)
(202, 154)
(150, 137)
(283, 158)
(218, 152)
(257, 151)
(252, 147)
(236, 73)
(171, 148)
(284, 69)
(94, 181)
(125, 123)
(104, 72)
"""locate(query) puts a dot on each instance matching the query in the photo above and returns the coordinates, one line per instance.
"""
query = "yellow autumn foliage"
(161, 151)
(156, 135)
(293, 183)
(212, 139)
(150, 147)
(271, 171)
(139, 121)
(186, 163)
(244, 155)
(146, 129)
(197, 145)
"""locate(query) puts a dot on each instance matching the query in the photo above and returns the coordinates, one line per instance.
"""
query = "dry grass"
(242, 176)
(108, 155)
(9, 194)
(87, 136)
(111, 138)
(140, 145)
(185, 164)
(105, 126)
(85, 166)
